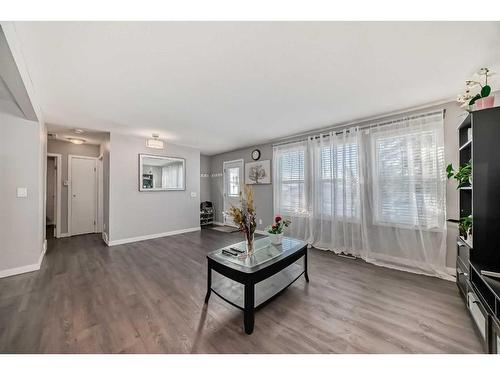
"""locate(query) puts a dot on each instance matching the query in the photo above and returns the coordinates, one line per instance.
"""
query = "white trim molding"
(224, 184)
(152, 236)
(25, 269)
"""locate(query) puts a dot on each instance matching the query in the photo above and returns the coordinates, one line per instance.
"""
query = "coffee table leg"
(209, 283)
(249, 308)
(306, 274)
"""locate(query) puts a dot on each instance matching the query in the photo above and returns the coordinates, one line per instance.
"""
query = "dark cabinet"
(479, 139)
(495, 337)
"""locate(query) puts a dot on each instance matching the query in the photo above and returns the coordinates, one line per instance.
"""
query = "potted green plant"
(275, 231)
(465, 228)
(463, 175)
(481, 98)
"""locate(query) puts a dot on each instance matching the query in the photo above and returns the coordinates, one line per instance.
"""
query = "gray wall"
(133, 213)
(205, 178)
(22, 164)
(263, 194)
(65, 149)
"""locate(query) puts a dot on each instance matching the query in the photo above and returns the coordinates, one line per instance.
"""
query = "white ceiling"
(90, 136)
(219, 86)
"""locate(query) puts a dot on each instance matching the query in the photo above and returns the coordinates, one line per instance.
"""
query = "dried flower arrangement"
(245, 217)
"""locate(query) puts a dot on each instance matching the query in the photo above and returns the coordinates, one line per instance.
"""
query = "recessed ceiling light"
(76, 141)
(78, 131)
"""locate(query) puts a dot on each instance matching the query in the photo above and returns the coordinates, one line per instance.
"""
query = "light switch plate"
(22, 192)
(193, 194)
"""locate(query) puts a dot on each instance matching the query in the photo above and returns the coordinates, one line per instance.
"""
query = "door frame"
(70, 189)
(58, 191)
(224, 210)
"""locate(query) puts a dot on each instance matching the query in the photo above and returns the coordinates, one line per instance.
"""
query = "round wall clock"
(256, 154)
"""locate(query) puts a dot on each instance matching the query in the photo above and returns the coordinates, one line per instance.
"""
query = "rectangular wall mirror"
(161, 173)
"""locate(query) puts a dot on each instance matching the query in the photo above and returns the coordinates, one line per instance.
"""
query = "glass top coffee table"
(248, 283)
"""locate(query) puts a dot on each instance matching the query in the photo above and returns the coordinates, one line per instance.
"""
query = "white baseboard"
(25, 269)
(105, 238)
(152, 236)
(64, 235)
(218, 223)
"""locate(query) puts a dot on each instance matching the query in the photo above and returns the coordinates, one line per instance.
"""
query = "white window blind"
(409, 172)
(339, 178)
(291, 180)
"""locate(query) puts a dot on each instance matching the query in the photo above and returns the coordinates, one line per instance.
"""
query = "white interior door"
(83, 182)
(233, 184)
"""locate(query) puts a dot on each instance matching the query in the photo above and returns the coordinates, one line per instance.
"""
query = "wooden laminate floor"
(147, 297)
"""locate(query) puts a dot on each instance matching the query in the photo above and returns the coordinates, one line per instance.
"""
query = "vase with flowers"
(477, 91)
(244, 217)
(276, 230)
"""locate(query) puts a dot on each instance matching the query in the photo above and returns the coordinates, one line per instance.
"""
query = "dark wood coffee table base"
(249, 279)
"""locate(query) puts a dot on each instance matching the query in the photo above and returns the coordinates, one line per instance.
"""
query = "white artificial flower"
(486, 72)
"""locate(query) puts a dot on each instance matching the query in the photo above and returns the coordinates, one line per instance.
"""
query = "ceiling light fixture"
(155, 142)
(76, 141)
(78, 131)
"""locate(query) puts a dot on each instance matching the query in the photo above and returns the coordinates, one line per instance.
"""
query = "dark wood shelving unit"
(479, 140)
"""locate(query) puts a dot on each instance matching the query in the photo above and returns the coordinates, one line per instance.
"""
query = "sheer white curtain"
(172, 175)
(377, 193)
(335, 192)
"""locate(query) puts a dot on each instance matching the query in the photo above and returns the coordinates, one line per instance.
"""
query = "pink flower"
(277, 219)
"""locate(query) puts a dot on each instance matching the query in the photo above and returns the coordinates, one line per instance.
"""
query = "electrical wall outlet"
(260, 221)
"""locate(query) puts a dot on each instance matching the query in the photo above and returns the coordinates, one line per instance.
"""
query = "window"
(339, 180)
(408, 172)
(234, 182)
(291, 181)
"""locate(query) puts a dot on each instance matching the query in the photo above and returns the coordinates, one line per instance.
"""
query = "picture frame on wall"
(258, 172)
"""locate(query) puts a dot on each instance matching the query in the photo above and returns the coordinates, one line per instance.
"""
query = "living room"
(249, 187)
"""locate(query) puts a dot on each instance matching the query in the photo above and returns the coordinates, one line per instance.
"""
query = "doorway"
(233, 180)
(82, 197)
(53, 195)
